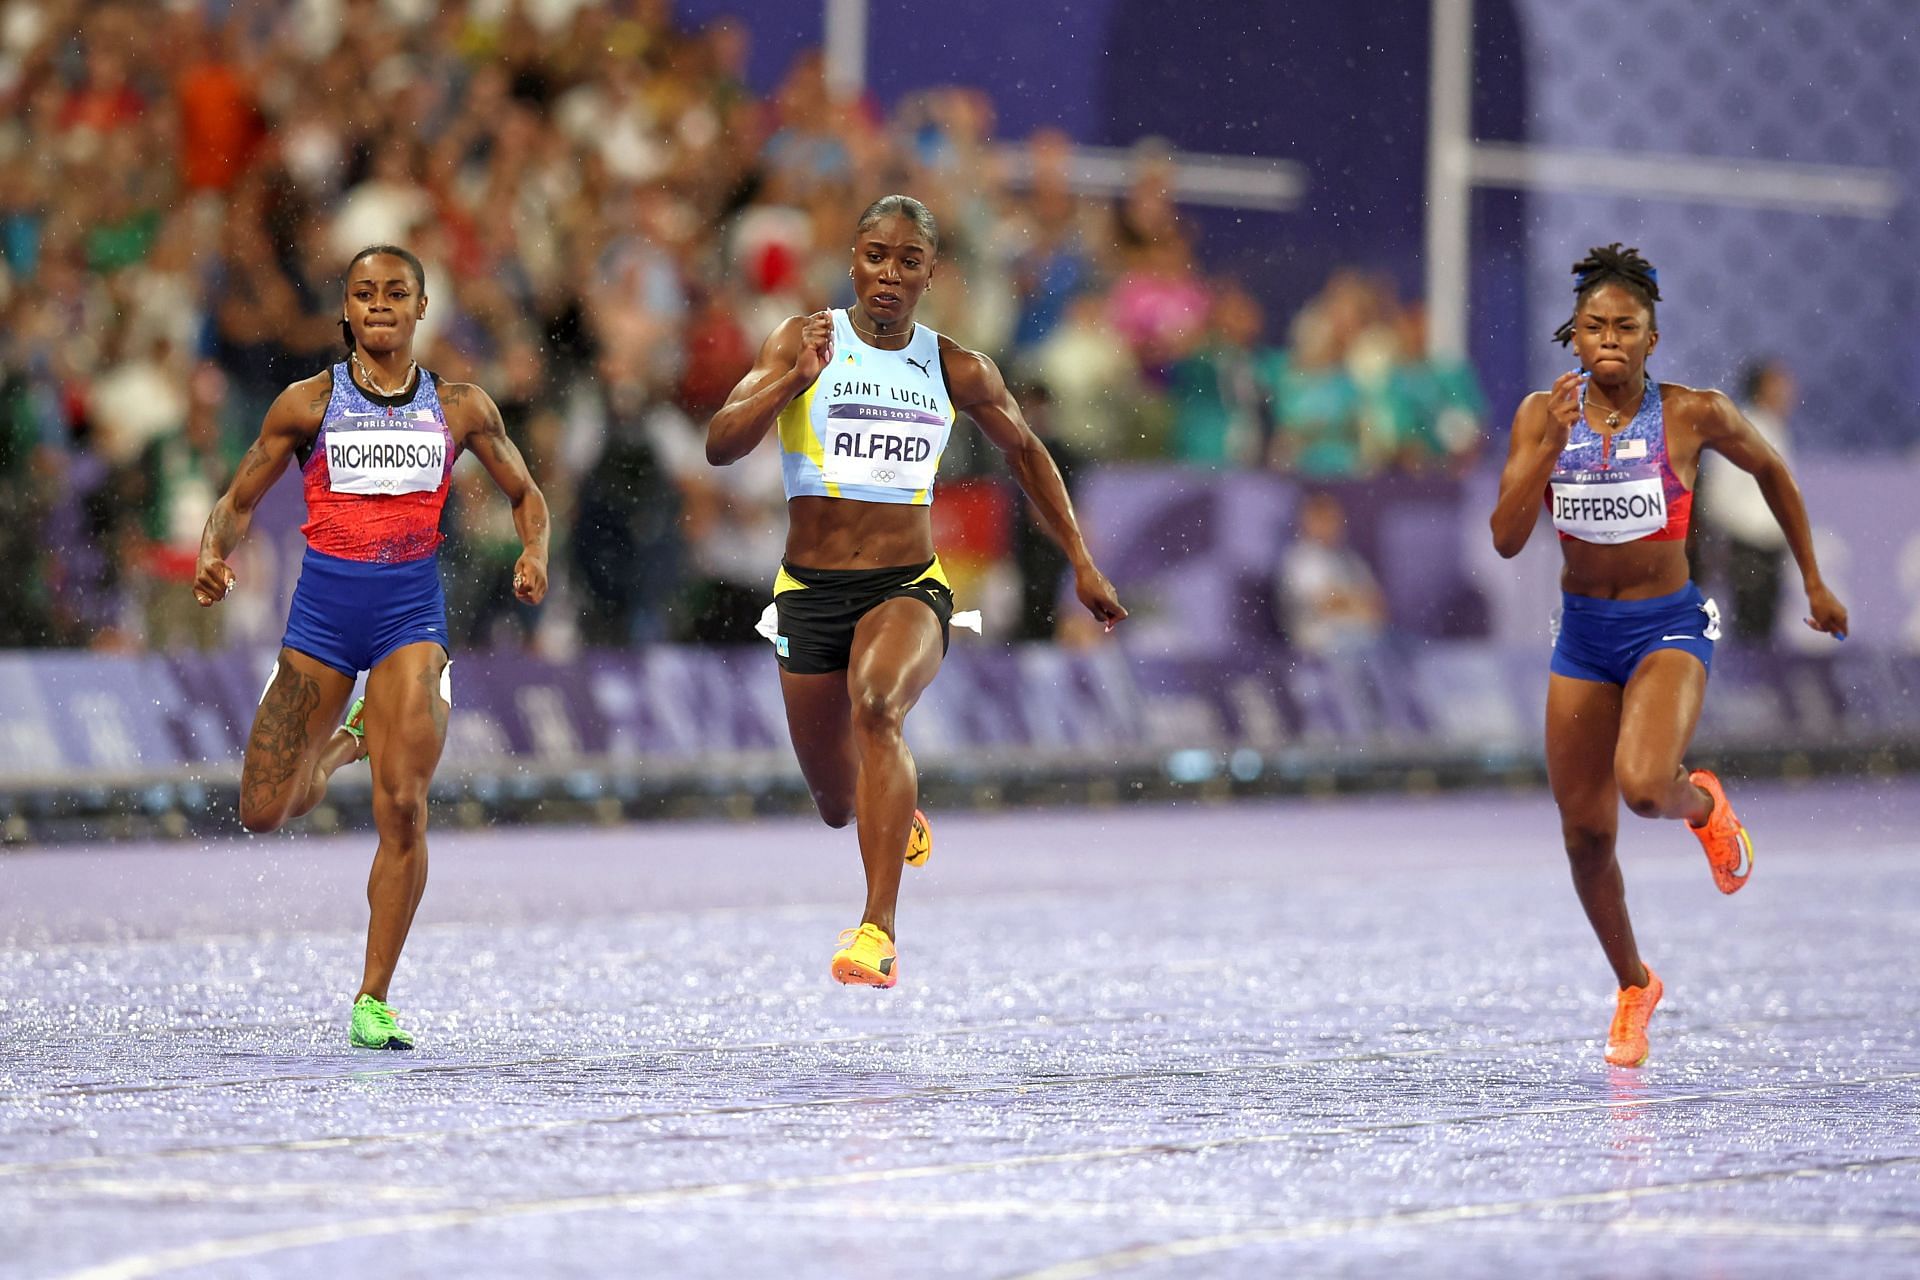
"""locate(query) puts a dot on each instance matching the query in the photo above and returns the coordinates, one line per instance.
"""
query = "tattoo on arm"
(219, 535)
(493, 430)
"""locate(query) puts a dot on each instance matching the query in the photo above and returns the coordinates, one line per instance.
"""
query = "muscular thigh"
(1660, 708)
(819, 718)
(897, 650)
(302, 705)
(408, 701)
(1583, 725)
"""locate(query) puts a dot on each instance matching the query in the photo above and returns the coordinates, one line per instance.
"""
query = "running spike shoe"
(1728, 848)
(919, 840)
(356, 725)
(1627, 1037)
(866, 958)
(374, 1027)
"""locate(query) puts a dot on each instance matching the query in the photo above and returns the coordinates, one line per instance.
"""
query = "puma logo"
(920, 365)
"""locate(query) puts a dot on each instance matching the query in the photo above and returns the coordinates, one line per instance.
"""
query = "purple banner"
(78, 719)
(1196, 555)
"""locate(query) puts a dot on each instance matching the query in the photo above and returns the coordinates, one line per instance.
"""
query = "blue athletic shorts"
(350, 614)
(1605, 640)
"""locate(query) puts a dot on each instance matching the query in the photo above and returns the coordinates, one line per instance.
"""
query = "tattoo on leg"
(279, 740)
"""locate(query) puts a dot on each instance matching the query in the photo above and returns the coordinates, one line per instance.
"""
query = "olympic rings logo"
(883, 475)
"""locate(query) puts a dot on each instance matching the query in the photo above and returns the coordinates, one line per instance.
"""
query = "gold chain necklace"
(878, 336)
(1613, 415)
(413, 367)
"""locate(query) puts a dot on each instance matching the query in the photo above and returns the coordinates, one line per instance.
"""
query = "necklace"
(877, 336)
(373, 383)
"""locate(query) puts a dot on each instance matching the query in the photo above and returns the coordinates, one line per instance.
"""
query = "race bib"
(1617, 511)
(870, 444)
(378, 461)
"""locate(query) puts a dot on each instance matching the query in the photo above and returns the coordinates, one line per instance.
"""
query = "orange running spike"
(919, 840)
(1627, 1037)
(1728, 848)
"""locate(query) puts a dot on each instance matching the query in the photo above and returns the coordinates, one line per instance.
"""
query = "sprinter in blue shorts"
(1615, 454)
(375, 437)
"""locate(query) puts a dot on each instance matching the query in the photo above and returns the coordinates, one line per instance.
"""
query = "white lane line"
(1746, 1229)
(160, 1262)
(166, 1190)
(1142, 1255)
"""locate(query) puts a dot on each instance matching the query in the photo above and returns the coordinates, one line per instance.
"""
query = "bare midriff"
(1626, 571)
(838, 533)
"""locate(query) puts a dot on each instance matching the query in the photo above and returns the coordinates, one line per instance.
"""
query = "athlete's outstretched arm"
(1725, 429)
(790, 359)
(981, 393)
(1541, 426)
(291, 421)
(477, 426)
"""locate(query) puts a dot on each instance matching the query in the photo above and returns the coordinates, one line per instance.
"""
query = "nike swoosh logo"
(1679, 637)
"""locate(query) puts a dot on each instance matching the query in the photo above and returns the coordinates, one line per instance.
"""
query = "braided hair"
(391, 250)
(1611, 264)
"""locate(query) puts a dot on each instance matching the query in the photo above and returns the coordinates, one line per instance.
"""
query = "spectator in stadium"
(1098, 391)
(1220, 408)
(626, 541)
(1748, 543)
(1316, 404)
(1047, 232)
(1328, 598)
(181, 474)
(1042, 566)
(1433, 404)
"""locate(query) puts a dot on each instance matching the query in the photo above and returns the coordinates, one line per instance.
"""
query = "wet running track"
(1358, 1036)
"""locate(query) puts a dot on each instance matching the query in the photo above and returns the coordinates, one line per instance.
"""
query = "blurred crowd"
(610, 220)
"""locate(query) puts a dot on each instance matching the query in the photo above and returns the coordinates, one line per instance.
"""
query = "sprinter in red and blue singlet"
(375, 477)
(1616, 455)
(375, 437)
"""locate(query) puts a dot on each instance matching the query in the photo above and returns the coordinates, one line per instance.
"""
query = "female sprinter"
(1616, 454)
(376, 436)
(864, 399)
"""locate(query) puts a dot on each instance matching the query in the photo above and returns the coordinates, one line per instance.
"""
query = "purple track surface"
(1358, 1036)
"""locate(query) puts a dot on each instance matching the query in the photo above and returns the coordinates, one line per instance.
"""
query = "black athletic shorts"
(819, 608)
